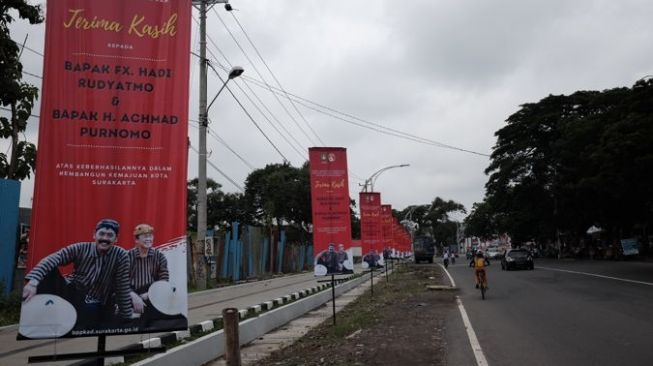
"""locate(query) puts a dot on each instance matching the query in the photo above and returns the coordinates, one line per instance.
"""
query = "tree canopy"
(279, 192)
(16, 96)
(435, 219)
(571, 161)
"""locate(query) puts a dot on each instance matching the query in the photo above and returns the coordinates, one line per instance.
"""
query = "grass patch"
(400, 317)
(9, 306)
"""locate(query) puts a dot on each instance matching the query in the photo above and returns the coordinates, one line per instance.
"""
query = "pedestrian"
(99, 280)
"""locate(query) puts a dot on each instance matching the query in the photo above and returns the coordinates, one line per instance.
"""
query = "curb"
(211, 346)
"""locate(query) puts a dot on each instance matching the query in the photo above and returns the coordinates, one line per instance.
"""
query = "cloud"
(449, 71)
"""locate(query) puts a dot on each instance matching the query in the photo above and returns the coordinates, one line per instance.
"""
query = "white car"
(493, 253)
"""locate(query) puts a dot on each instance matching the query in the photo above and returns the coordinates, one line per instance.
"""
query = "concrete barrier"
(211, 346)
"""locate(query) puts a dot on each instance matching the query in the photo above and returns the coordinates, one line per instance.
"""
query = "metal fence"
(252, 252)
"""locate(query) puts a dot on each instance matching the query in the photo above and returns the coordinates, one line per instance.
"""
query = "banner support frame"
(99, 355)
(333, 296)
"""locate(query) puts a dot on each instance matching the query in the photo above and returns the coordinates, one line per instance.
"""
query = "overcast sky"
(448, 71)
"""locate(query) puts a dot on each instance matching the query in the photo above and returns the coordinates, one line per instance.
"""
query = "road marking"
(597, 275)
(453, 283)
(473, 341)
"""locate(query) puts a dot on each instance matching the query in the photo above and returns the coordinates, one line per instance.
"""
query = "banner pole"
(385, 264)
(333, 296)
(372, 279)
(101, 348)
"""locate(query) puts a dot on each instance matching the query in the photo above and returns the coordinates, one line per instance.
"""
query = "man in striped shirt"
(100, 278)
(147, 265)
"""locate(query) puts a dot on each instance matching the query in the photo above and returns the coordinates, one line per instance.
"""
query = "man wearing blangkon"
(100, 270)
(147, 265)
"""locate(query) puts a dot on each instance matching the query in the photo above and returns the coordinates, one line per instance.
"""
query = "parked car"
(517, 258)
(493, 253)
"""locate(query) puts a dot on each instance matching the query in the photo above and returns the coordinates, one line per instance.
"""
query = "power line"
(250, 116)
(218, 169)
(257, 98)
(263, 104)
(34, 75)
(27, 48)
(393, 132)
(268, 119)
(263, 79)
(270, 122)
(245, 110)
(275, 78)
(366, 124)
(223, 143)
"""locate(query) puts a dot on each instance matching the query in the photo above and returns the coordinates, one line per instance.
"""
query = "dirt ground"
(402, 324)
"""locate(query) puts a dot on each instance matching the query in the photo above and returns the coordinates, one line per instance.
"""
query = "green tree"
(222, 208)
(212, 188)
(439, 217)
(16, 95)
(568, 162)
(481, 221)
(279, 193)
(355, 220)
(418, 215)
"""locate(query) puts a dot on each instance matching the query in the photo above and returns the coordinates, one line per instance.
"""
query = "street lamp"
(370, 181)
(204, 121)
(235, 72)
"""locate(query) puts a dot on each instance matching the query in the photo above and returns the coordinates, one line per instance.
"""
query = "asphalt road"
(562, 313)
(203, 305)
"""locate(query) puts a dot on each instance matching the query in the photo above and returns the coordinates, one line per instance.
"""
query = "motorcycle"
(446, 262)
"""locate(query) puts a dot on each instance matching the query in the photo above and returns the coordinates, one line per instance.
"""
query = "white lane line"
(597, 275)
(453, 283)
(473, 341)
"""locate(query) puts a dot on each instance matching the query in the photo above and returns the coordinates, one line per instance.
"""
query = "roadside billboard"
(371, 230)
(330, 211)
(386, 230)
(107, 250)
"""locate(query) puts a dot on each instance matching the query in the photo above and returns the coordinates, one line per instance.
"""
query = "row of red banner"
(381, 234)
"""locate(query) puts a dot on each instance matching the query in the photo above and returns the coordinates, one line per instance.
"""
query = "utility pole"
(200, 265)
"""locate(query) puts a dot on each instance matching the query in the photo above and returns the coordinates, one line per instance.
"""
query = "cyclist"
(479, 262)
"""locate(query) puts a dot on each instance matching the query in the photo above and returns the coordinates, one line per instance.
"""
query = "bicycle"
(482, 286)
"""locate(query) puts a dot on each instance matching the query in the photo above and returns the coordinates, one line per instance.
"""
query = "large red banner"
(401, 238)
(371, 228)
(330, 210)
(110, 191)
(386, 228)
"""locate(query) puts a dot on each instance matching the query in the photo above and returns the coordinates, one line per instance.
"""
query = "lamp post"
(370, 181)
(204, 118)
